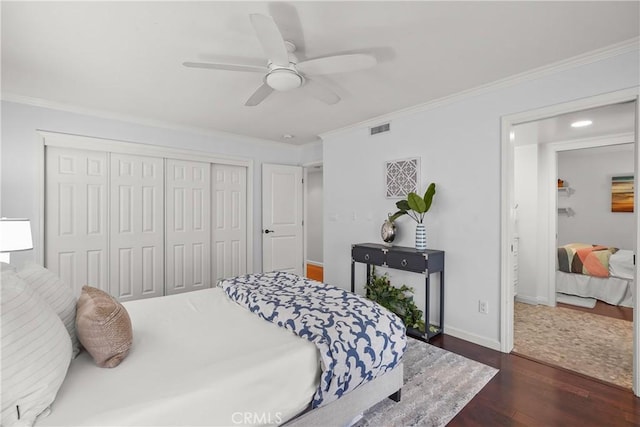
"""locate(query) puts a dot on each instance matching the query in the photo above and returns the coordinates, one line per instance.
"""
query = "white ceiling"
(615, 119)
(125, 57)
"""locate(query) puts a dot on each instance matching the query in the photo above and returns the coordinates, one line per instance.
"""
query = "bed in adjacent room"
(209, 357)
(596, 271)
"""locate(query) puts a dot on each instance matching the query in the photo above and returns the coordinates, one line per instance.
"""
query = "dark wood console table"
(407, 259)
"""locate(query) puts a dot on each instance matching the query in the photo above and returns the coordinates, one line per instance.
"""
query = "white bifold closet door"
(230, 221)
(137, 227)
(77, 232)
(188, 226)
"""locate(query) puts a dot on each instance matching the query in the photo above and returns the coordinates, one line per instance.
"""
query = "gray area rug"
(437, 385)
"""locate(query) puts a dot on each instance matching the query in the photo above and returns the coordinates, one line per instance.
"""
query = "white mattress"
(197, 359)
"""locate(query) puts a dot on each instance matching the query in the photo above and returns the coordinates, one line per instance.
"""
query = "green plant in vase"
(398, 300)
(416, 207)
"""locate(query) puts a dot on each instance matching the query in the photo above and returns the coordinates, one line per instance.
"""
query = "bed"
(208, 358)
(596, 271)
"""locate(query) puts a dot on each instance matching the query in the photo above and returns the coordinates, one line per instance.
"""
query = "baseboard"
(527, 300)
(532, 300)
(476, 339)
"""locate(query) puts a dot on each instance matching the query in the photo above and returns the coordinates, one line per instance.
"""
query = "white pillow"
(57, 294)
(4, 267)
(36, 352)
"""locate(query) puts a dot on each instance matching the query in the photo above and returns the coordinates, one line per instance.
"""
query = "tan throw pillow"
(103, 327)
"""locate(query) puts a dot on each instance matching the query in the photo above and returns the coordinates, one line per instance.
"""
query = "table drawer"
(407, 261)
(368, 255)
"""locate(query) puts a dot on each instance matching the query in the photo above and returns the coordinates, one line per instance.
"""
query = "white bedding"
(612, 290)
(197, 359)
(621, 264)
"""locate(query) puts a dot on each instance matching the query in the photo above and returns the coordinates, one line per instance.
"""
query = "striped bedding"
(581, 258)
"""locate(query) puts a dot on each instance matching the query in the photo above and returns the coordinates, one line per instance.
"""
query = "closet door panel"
(137, 227)
(76, 230)
(188, 232)
(230, 230)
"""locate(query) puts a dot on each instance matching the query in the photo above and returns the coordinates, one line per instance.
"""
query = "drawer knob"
(366, 257)
(403, 263)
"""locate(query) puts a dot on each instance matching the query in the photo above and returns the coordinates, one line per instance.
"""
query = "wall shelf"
(566, 211)
(565, 190)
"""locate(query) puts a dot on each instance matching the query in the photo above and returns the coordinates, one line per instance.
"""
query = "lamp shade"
(15, 234)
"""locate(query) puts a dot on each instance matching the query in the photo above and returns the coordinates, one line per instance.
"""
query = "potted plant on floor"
(398, 300)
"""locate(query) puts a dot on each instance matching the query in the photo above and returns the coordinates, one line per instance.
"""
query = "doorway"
(313, 197)
(590, 329)
(544, 270)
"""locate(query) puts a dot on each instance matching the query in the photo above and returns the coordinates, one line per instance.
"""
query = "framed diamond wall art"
(402, 177)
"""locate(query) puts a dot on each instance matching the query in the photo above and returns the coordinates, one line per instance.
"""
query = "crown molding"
(533, 74)
(619, 141)
(104, 114)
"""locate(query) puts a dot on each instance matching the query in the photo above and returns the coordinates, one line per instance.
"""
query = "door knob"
(268, 231)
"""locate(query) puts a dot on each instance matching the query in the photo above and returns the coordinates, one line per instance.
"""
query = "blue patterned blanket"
(358, 339)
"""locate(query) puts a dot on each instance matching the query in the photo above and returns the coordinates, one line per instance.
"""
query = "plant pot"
(421, 237)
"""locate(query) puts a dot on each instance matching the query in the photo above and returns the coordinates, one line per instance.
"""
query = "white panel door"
(137, 227)
(229, 203)
(76, 229)
(188, 230)
(282, 218)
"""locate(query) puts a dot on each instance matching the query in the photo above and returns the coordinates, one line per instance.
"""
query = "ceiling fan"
(284, 72)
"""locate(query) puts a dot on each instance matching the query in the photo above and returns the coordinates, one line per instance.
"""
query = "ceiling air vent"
(380, 129)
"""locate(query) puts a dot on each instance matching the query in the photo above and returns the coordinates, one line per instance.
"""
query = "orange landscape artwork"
(622, 193)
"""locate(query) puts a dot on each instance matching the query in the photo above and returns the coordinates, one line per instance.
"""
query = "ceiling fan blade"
(320, 91)
(337, 64)
(286, 17)
(228, 67)
(259, 95)
(270, 38)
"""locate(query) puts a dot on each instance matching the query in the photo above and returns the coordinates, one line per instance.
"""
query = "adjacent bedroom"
(582, 318)
(294, 213)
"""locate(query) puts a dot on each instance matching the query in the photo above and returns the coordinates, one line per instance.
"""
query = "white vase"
(421, 237)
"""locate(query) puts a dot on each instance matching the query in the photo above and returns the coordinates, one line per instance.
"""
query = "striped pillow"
(36, 352)
(57, 294)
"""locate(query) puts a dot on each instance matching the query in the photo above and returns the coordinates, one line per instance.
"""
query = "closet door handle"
(268, 231)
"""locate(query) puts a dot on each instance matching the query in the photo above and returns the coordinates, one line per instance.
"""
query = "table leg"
(442, 301)
(426, 305)
(353, 276)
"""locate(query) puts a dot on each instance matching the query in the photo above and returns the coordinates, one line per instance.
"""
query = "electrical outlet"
(483, 307)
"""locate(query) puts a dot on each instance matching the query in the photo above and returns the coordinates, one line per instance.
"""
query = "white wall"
(459, 145)
(314, 215)
(588, 172)
(20, 158)
(526, 197)
(311, 153)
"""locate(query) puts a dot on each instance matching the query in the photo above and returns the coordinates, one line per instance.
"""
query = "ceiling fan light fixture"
(581, 123)
(283, 79)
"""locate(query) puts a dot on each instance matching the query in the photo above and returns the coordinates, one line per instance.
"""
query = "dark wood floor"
(527, 393)
(604, 309)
